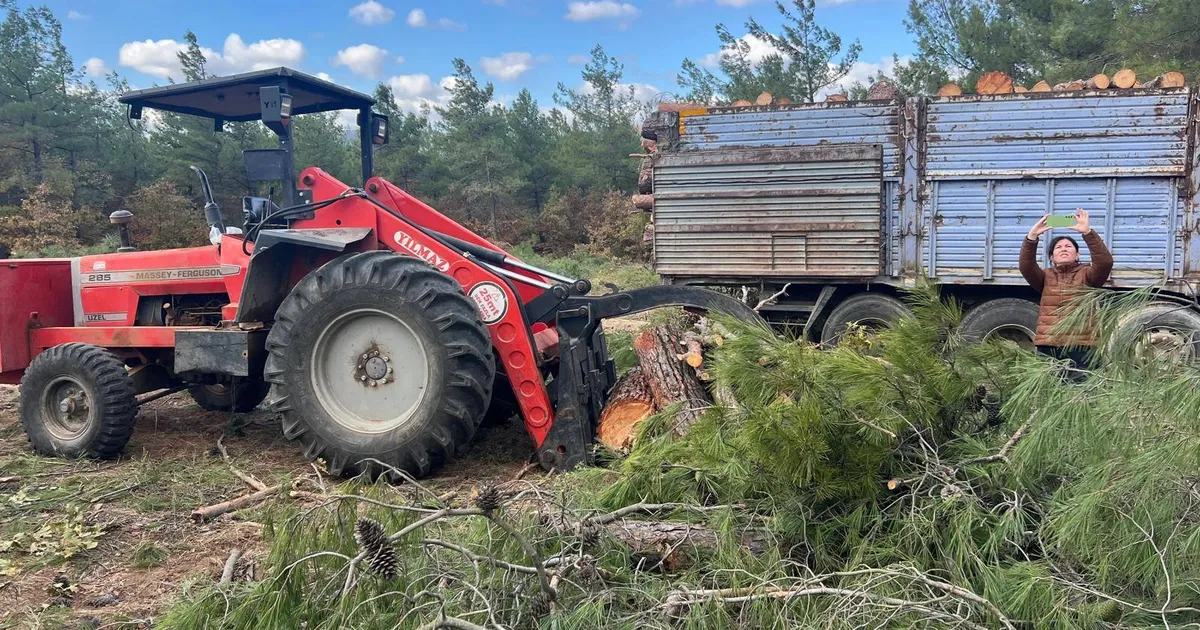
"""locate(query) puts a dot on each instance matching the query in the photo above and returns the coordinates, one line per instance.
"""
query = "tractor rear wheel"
(222, 397)
(77, 400)
(379, 361)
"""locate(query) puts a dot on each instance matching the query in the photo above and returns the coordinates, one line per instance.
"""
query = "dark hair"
(1050, 251)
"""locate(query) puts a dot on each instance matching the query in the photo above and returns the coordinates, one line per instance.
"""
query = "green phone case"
(1060, 221)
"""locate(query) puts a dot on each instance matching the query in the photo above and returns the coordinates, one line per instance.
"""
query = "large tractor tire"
(870, 310)
(1014, 319)
(77, 400)
(378, 356)
(240, 397)
(1161, 329)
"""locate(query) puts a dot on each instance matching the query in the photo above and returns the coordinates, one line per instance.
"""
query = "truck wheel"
(378, 356)
(1162, 328)
(221, 397)
(1014, 319)
(872, 310)
(77, 400)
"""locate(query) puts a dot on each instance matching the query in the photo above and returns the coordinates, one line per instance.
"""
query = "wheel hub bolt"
(66, 405)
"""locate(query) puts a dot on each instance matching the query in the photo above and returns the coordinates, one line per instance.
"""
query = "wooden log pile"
(996, 82)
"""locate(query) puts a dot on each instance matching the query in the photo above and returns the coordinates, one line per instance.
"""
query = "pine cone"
(1109, 611)
(589, 534)
(372, 539)
(588, 571)
(993, 414)
(61, 587)
(487, 499)
(541, 605)
(107, 599)
(975, 403)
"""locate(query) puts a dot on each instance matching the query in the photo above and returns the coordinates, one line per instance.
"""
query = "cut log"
(1020, 89)
(764, 99)
(783, 100)
(1098, 82)
(695, 351)
(883, 90)
(646, 177)
(1040, 86)
(629, 404)
(643, 202)
(994, 82)
(836, 98)
(1124, 79)
(741, 103)
(669, 380)
(1170, 79)
(649, 146)
(1073, 86)
(950, 89)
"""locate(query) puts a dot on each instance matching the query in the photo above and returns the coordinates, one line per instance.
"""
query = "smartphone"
(1060, 221)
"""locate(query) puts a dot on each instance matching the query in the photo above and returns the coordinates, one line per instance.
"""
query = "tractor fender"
(269, 275)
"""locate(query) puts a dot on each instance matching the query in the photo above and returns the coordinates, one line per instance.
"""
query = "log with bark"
(210, 512)
(1124, 79)
(883, 90)
(783, 100)
(950, 89)
(643, 202)
(994, 82)
(764, 99)
(741, 103)
(628, 405)
(1020, 89)
(1040, 86)
(670, 380)
(646, 177)
(1098, 82)
(1170, 79)
(836, 98)
(1074, 86)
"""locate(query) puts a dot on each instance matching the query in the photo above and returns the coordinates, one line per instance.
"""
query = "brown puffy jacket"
(1060, 282)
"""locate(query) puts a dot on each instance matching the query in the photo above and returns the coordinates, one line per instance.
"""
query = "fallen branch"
(230, 565)
(12, 479)
(212, 511)
(771, 300)
(451, 622)
(250, 480)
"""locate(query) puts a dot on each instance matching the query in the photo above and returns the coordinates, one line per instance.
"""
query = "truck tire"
(221, 396)
(875, 310)
(77, 400)
(378, 356)
(1165, 327)
(1014, 319)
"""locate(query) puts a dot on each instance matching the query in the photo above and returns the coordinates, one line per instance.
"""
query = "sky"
(534, 44)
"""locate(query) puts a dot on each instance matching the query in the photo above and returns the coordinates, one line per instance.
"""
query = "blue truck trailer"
(845, 204)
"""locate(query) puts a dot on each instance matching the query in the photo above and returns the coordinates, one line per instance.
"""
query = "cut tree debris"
(1125, 78)
(994, 82)
(1098, 82)
(1040, 86)
(950, 89)
(764, 99)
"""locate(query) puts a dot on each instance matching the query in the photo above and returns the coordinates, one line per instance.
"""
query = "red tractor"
(382, 328)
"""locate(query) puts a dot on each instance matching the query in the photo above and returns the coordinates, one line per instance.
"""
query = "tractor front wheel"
(77, 400)
(379, 361)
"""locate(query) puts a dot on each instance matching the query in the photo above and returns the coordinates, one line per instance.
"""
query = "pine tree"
(595, 153)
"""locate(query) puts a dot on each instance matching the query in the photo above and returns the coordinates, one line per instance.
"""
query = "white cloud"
(399, 58)
(418, 19)
(578, 60)
(415, 91)
(363, 59)
(508, 66)
(758, 50)
(862, 72)
(75, 15)
(324, 76)
(642, 92)
(347, 119)
(371, 13)
(161, 58)
(600, 10)
(95, 67)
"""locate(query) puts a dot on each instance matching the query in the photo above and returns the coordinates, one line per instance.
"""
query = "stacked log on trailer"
(996, 82)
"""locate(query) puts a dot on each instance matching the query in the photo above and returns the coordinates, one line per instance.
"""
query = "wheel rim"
(1015, 333)
(219, 389)
(67, 408)
(1161, 342)
(370, 371)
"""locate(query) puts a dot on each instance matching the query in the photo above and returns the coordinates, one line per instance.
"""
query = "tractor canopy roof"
(235, 98)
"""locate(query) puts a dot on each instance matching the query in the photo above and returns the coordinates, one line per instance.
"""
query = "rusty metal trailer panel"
(772, 212)
(963, 178)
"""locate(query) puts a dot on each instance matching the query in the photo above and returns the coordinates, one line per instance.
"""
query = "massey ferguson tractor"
(381, 328)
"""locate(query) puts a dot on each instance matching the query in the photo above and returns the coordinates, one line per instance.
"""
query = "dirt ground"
(134, 513)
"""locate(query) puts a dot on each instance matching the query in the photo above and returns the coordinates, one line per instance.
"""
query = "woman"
(1059, 282)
